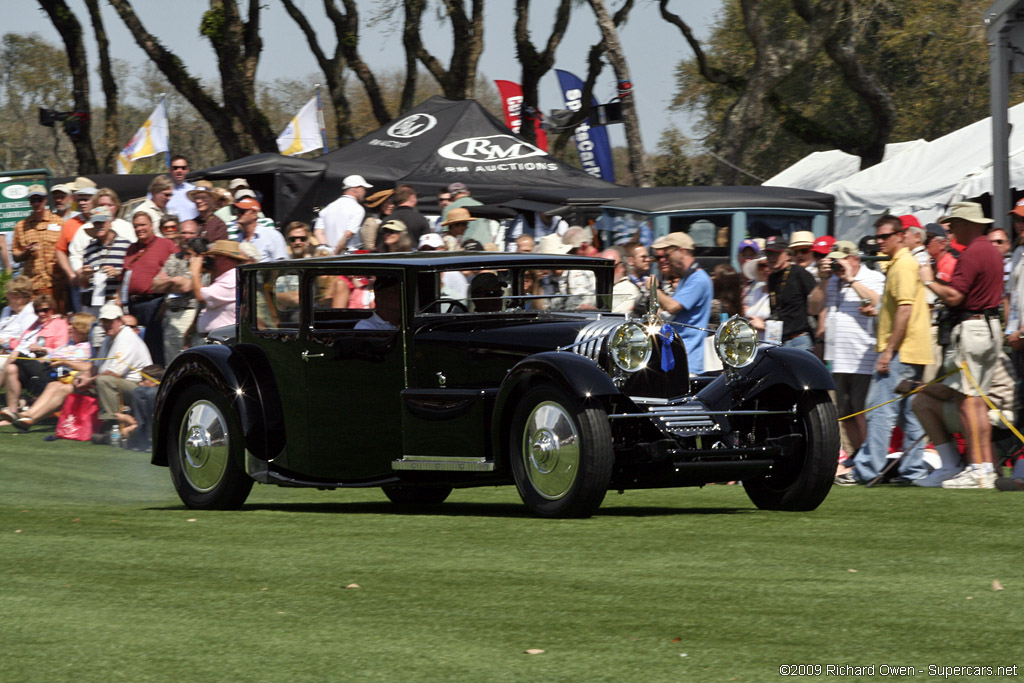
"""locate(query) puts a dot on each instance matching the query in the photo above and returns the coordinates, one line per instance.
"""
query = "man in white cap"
(973, 295)
(116, 371)
(690, 303)
(339, 221)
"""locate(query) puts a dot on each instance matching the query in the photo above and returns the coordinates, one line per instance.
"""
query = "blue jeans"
(801, 341)
(870, 459)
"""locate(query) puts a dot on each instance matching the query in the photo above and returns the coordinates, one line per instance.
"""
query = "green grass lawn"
(106, 577)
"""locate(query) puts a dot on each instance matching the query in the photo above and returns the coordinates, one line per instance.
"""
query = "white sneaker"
(971, 479)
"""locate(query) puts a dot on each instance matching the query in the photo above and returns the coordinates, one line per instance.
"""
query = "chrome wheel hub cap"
(551, 451)
(203, 446)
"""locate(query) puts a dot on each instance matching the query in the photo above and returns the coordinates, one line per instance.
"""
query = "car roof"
(442, 260)
(697, 198)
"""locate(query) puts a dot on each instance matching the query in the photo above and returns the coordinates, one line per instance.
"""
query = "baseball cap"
(393, 225)
(36, 190)
(458, 187)
(247, 203)
(244, 192)
(354, 181)
(842, 249)
(909, 221)
(748, 244)
(61, 188)
(776, 243)
(101, 214)
(110, 311)
(936, 230)
(89, 191)
(823, 245)
(674, 239)
(236, 183)
(432, 240)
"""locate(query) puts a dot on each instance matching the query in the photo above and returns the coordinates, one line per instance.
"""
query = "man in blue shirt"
(267, 240)
(690, 304)
(179, 203)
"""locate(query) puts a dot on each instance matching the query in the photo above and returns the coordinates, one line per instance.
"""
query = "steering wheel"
(456, 306)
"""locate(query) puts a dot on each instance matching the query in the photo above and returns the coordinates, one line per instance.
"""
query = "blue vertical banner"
(591, 141)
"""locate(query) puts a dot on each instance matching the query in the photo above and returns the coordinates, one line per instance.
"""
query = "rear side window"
(277, 300)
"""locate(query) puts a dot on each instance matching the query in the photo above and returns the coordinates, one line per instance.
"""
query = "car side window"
(277, 300)
(348, 301)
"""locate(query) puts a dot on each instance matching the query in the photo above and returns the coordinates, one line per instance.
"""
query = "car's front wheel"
(802, 481)
(561, 453)
(205, 451)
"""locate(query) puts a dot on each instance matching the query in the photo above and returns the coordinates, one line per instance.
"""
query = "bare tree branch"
(535, 64)
(111, 118)
(70, 30)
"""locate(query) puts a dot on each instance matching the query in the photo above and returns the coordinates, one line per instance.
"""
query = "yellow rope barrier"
(1002, 418)
(901, 396)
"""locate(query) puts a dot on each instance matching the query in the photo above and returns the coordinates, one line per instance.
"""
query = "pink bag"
(79, 418)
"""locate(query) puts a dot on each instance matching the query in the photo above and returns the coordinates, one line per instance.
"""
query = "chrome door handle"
(306, 355)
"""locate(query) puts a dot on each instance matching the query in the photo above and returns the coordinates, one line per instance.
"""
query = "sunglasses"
(170, 228)
(998, 241)
(802, 250)
(37, 198)
(179, 168)
(297, 238)
(44, 310)
(885, 236)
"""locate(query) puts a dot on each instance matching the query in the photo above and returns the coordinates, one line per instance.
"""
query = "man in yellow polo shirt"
(904, 349)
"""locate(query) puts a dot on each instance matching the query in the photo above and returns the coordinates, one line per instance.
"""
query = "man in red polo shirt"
(974, 295)
(142, 262)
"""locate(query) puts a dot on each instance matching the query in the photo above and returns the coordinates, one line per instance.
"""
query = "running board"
(442, 464)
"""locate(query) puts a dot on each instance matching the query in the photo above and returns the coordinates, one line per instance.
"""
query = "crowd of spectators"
(101, 304)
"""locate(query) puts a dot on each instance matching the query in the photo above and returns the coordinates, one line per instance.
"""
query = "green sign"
(14, 204)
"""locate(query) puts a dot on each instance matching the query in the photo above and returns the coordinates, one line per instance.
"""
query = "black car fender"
(579, 376)
(242, 375)
(775, 366)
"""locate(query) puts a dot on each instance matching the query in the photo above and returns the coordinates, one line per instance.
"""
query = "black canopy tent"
(292, 187)
(443, 141)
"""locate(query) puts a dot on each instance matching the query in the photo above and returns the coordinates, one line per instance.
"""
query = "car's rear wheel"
(803, 480)
(417, 495)
(561, 453)
(205, 451)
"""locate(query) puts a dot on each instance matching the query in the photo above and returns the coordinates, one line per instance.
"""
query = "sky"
(652, 46)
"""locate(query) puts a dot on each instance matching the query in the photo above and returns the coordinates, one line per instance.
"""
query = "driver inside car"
(387, 312)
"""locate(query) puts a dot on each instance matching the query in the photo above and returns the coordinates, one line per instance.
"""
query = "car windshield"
(512, 290)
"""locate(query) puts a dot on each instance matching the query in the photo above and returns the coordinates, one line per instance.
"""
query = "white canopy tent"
(924, 178)
(818, 169)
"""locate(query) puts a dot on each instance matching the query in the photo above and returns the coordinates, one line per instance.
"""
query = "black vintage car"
(419, 373)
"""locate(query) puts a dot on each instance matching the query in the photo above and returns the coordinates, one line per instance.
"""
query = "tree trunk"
(334, 74)
(535, 64)
(70, 30)
(458, 81)
(232, 141)
(616, 57)
(110, 141)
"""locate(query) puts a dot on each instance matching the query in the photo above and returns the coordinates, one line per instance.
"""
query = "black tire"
(804, 480)
(417, 495)
(205, 450)
(561, 453)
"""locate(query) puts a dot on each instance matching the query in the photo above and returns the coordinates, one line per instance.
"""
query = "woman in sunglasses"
(47, 334)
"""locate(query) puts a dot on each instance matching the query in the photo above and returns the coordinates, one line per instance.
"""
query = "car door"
(352, 374)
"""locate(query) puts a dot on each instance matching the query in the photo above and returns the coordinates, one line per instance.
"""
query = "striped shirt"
(849, 334)
(97, 255)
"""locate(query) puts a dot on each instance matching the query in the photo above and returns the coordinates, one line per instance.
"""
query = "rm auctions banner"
(591, 141)
(512, 104)
(148, 141)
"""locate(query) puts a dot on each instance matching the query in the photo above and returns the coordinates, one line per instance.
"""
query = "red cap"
(909, 221)
(823, 245)
(1018, 208)
(247, 203)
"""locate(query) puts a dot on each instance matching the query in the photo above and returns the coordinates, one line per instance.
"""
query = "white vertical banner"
(149, 140)
(302, 134)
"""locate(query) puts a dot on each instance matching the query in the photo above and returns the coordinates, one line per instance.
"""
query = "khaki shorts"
(975, 343)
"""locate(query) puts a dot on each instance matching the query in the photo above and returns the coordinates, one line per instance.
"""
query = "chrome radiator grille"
(590, 339)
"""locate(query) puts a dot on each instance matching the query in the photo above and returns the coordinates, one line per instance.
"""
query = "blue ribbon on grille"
(668, 360)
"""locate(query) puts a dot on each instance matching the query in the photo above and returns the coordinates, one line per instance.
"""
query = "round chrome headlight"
(736, 342)
(630, 347)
